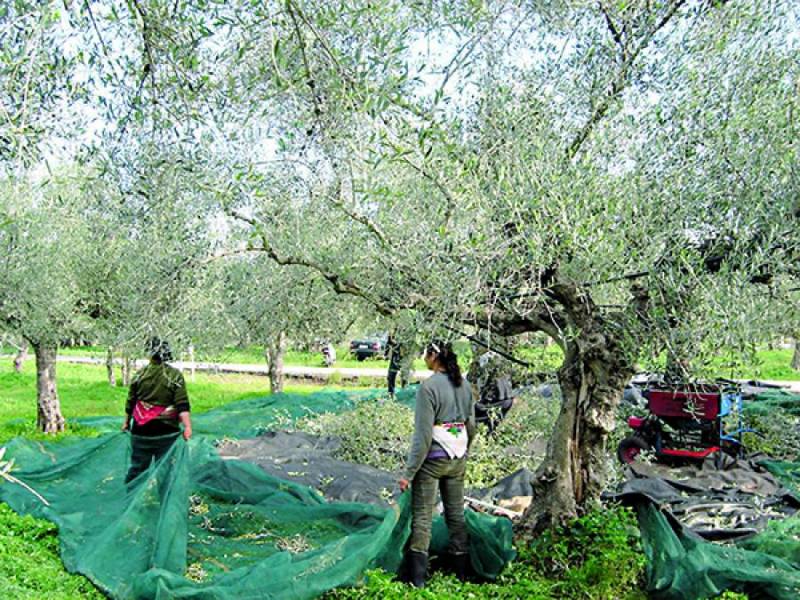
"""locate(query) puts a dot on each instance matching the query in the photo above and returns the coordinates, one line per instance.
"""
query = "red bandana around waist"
(144, 412)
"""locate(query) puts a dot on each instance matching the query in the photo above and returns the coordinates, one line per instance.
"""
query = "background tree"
(40, 283)
(262, 304)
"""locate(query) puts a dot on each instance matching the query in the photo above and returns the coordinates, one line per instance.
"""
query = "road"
(301, 372)
(294, 371)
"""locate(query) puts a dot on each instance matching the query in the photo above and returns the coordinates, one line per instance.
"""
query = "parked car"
(369, 346)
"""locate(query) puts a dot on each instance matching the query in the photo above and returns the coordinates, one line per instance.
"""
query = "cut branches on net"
(5, 472)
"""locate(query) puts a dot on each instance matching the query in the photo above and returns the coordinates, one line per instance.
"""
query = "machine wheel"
(630, 448)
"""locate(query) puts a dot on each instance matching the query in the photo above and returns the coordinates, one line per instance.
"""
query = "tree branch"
(339, 284)
(620, 81)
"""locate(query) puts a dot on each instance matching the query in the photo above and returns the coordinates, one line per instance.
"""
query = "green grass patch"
(84, 391)
(769, 364)
(30, 567)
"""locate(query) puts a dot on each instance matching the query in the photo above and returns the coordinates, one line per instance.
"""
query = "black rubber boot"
(417, 568)
(461, 565)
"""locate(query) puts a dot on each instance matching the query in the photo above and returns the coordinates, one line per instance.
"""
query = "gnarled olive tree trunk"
(48, 414)
(573, 473)
(597, 366)
(274, 352)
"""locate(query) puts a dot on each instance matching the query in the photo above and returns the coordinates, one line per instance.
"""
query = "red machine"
(685, 421)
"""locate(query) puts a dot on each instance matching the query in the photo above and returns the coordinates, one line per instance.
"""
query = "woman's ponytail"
(448, 359)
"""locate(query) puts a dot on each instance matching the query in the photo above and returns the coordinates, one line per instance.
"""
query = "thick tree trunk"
(49, 418)
(796, 355)
(112, 378)
(573, 473)
(273, 353)
(19, 359)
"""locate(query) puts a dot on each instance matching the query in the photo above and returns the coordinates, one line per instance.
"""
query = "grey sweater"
(438, 402)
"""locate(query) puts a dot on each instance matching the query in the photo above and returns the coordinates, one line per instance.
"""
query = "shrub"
(379, 433)
(374, 433)
(30, 567)
(597, 555)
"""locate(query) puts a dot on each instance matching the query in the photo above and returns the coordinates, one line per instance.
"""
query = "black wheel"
(361, 357)
(630, 448)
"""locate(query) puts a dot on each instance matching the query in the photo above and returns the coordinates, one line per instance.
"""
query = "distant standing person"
(395, 363)
(329, 354)
(495, 393)
(157, 406)
(444, 428)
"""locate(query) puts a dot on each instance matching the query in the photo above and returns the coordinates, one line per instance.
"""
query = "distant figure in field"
(398, 364)
(329, 354)
(157, 406)
(495, 394)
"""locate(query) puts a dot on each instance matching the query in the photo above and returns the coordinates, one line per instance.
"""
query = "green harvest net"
(682, 566)
(197, 526)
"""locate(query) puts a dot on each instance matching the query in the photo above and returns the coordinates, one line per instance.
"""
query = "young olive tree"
(40, 286)
(264, 304)
(153, 239)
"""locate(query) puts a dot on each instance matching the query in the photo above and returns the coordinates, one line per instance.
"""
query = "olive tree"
(620, 176)
(152, 238)
(257, 302)
(40, 287)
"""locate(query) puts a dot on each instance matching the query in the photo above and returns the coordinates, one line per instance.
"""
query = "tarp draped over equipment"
(681, 564)
(197, 526)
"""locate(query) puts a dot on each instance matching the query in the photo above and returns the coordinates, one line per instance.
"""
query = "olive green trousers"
(448, 476)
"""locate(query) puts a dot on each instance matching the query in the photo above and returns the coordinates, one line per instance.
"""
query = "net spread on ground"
(205, 523)
(246, 510)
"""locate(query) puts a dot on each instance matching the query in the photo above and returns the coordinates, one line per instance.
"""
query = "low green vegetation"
(30, 567)
(595, 557)
(516, 443)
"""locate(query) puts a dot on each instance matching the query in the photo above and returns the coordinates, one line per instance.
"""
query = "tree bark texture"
(573, 473)
(796, 355)
(274, 353)
(112, 378)
(48, 416)
(19, 359)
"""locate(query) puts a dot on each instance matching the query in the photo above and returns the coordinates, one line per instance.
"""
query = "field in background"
(84, 391)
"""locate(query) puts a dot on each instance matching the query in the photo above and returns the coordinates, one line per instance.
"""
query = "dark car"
(369, 346)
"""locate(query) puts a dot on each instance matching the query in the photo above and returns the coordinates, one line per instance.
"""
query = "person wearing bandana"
(444, 427)
(157, 407)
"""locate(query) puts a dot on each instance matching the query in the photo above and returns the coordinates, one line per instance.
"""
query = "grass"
(84, 391)
(770, 364)
(30, 567)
